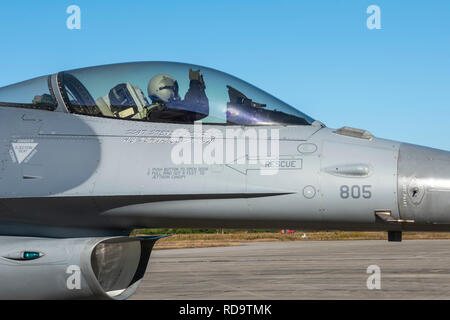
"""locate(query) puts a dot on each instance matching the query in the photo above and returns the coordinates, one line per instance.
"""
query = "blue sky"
(318, 56)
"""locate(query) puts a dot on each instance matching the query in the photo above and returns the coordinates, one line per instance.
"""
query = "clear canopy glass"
(160, 92)
(34, 93)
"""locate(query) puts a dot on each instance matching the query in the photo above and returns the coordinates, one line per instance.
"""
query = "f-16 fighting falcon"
(88, 155)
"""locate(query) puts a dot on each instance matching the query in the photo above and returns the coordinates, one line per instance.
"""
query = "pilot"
(166, 101)
(162, 89)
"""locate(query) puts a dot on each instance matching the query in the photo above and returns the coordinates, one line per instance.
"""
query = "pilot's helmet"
(163, 87)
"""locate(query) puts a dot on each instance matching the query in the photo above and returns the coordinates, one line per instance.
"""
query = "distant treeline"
(156, 231)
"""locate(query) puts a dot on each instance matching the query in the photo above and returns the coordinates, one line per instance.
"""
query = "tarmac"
(411, 269)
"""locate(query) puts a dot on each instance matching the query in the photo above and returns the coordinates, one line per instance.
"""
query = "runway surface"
(412, 269)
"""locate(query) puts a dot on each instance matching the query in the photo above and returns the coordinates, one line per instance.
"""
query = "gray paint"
(93, 173)
(47, 277)
(91, 177)
(424, 184)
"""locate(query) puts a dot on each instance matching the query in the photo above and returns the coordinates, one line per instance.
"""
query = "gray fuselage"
(68, 175)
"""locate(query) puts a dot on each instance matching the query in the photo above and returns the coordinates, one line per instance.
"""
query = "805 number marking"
(356, 192)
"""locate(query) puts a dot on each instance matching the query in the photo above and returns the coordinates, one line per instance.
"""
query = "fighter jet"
(88, 155)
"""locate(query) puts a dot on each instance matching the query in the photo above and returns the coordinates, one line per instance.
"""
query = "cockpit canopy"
(154, 91)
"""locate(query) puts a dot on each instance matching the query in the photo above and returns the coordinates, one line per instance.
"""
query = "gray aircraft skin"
(77, 177)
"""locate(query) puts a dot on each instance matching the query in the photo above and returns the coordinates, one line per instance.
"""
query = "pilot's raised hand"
(196, 76)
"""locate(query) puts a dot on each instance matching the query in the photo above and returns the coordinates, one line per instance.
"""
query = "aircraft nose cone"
(424, 184)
